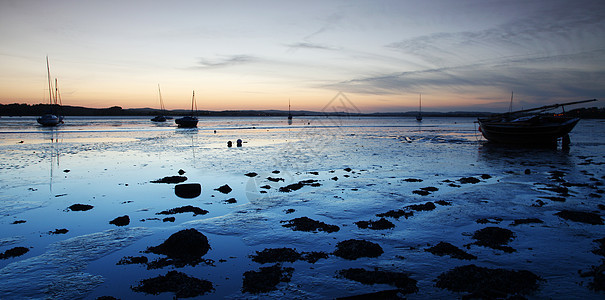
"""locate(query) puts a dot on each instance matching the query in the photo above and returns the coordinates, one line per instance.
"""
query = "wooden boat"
(51, 119)
(160, 118)
(188, 121)
(522, 128)
(419, 115)
(289, 113)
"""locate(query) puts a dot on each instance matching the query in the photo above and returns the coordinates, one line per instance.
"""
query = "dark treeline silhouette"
(40, 109)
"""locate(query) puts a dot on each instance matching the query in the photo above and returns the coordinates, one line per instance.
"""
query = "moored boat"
(51, 119)
(160, 118)
(188, 121)
(529, 129)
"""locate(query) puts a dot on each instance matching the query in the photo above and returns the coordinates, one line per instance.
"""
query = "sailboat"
(188, 121)
(160, 118)
(289, 113)
(51, 119)
(419, 115)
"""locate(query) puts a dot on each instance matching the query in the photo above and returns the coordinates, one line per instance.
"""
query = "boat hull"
(159, 119)
(544, 132)
(50, 120)
(186, 122)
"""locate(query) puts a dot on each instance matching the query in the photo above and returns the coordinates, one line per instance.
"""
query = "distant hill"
(40, 109)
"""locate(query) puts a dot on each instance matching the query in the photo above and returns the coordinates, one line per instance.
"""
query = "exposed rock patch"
(354, 249)
(299, 185)
(527, 221)
(13, 252)
(170, 179)
(488, 283)
(185, 247)
(225, 189)
(495, 238)
(402, 281)
(184, 209)
(80, 207)
(308, 224)
(444, 248)
(120, 221)
(376, 225)
(266, 279)
(580, 216)
(182, 285)
(275, 255)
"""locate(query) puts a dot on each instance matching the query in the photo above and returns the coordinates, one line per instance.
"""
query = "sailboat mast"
(50, 89)
(161, 101)
(510, 108)
(420, 103)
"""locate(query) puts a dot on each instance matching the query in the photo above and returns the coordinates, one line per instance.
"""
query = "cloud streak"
(225, 61)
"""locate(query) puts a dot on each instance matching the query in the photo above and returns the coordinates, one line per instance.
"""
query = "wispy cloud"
(225, 61)
(312, 46)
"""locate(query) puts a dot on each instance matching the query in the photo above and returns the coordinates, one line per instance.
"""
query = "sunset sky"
(461, 55)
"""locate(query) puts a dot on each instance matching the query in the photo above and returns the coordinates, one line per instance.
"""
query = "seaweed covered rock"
(400, 280)
(184, 209)
(182, 285)
(273, 255)
(299, 185)
(488, 283)
(225, 189)
(184, 247)
(188, 190)
(308, 224)
(376, 225)
(354, 249)
(495, 238)
(580, 216)
(13, 252)
(266, 279)
(120, 221)
(170, 179)
(444, 248)
(80, 207)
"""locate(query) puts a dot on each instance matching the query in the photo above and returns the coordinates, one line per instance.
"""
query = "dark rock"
(274, 255)
(412, 180)
(553, 198)
(601, 250)
(443, 203)
(251, 174)
(444, 248)
(421, 192)
(299, 185)
(376, 225)
(169, 219)
(495, 238)
(188, 190)
(580, 216)
(527, 171)
(526, 221)
(176, 282)
(598, 275)
(184, 247)
(488, 283)
(225, 189)
(313, 256)
(107, 298)
(313, 173)
(354, 249)
(275, 179)
(120, 221)
(485, 176)
(13, 252)
(266, 187)
(181, 172)
(335, 178)
(80, 207)
(18, 222)
(184, 209)
(429, 189)
(396, 214)
(171, 179)
(347, 169)
(276, 172)
(289, 210)
(471, 180)
(402, 281)
(422, 207)
(230, 201)
(131, 260)
(266, 279)
(307, 224)
(59, 231)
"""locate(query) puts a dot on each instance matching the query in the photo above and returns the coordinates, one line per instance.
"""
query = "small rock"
(130, 260)
(251, 174)
(444, 248)
(376, 225)
(186, 246)
(59, 231)
(171, 179)
(188, 190)
(13, 252)
(120, 221)
(308, 224)
(182, 285)
(225, 189)
(580, 216)
(402, 281)
(266, 279)
(80, 207)
(184, 209)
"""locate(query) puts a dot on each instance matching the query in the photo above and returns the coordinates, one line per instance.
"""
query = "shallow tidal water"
(363, 167)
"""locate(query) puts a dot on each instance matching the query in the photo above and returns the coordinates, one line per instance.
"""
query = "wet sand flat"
(416, 203)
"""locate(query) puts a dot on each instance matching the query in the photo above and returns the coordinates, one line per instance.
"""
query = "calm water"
(110, 162)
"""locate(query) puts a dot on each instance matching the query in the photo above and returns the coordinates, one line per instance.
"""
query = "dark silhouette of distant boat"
(188, 121)
(289, 113)
(522, 128)
(160, 118)
(52, 118)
